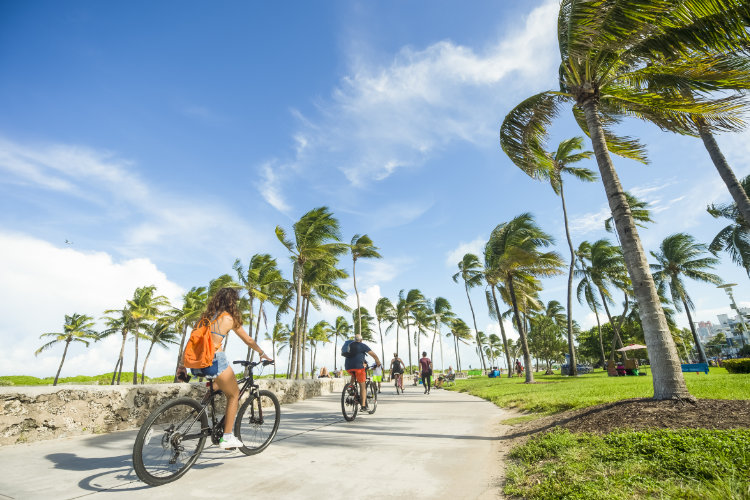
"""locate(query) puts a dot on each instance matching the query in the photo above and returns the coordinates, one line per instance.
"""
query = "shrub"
(737, 365)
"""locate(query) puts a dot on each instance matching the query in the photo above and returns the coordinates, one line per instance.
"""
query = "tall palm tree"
(440, 314)
(316, 237)
(384, 312)
(193, 305)
(411, 302)
(320, 332)
(493, 279)
(279, 336)
(551, 166)
(517, 259)
(461, 333)
(734, 238)
(366, 328)
(144, 307)
(361, 247)
(680, 256)
(77, 328)
(161, 333)
(470, 271)
(612, 55)
(341, 330)
(120, 322)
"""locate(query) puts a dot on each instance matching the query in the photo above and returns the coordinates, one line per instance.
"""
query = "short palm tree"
(461, 333)
(734, 238)
(384, 312)
(361, 247)
(320, 332)
(366, 330)
(517, 258)
(617, 59)
(587, 290)
(411, 302)
(77, 328)
(470, 271)
(680, 256)
(120, 321)
(341, 330)
(493, 280)
(193, 305)
(279, 336)
(440, 313)
(161, 333)
(316, 236)
(144, 307)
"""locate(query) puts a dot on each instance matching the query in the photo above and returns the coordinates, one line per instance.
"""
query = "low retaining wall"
(37, 413)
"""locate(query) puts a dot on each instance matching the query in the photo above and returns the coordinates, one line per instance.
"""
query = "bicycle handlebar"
(253, 364)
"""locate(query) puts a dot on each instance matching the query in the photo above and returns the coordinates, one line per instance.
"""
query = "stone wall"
(36, 413)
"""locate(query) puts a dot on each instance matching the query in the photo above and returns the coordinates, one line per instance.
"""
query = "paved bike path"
(441, 445)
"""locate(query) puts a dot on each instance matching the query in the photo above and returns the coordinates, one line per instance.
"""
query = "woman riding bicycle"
(224, 315)
(397, 370)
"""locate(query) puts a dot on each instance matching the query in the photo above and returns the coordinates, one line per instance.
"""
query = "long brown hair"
(225, 299)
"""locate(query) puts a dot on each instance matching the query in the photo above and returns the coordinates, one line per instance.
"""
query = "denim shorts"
(219, 365)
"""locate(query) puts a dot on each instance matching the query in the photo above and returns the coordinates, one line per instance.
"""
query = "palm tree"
(587, 290)
(493, 280)
(77, 328)
(320, 332)
(440, 314)
(413, 301)
(611, 58)
(639, 209)
(121, 323)
(679, 255)
(366, 325)
(734, 238)
(280, 336)
(470, 270)
(316, 237)
(517, 259)
(144, 307)
(162, 333)
(461, 333)
(361, 247)
(341, 330)
(193, 305)
(384, 311)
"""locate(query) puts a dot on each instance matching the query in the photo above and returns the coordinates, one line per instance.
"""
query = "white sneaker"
(230, 443)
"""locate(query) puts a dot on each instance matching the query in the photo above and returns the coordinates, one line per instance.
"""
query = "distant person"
(425, 368)
(519, 368)
(397, 370)
(224, 314)
(355, 363)
(377, 376)
(324, 373)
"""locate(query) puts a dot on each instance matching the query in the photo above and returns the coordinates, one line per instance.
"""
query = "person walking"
(425, 367)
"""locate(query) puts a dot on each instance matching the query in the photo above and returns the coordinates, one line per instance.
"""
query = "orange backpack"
(199, 352)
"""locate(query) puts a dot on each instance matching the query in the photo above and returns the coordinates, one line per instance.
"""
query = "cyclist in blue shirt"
(355, 364)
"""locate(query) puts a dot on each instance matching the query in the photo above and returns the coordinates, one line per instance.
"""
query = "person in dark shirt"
(425, 367)
(355, 364)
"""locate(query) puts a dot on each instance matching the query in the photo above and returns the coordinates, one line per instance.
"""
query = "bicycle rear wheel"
(398, 385)
(170, 441)
(372, 397)
(257, 422)
(349, 402)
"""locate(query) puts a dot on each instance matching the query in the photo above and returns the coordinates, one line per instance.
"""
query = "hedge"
(737, 365)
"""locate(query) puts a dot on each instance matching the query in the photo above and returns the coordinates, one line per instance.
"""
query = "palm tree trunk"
(382, 347)
(666, 370)
(57, 375)
(408, 341)
(356, 292)
(476, 330)
(294, 348)
(248, 357)
(135, 363)
(601, 340)
(143, 370)
(572, 367)
(442, 362)
(273, 349)
(502, 330)
(699, 347)
(251, 352)
(179, 352)
(118, 365)
(725, 171)
(397, 325)
(521, 332)
(304, 336)
(434, 334)
(335, 349)
(458, 360)
(615, 329)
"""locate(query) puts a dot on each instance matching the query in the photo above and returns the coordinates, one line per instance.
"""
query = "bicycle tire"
(159, 455)
(398, 387)
(255, 432)
(349, 402)
(372, 397)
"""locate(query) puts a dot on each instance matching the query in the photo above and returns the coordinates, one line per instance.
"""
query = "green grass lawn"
(556, 393)
(688, 463)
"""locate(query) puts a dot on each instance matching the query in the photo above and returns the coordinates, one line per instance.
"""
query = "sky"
(148, 143)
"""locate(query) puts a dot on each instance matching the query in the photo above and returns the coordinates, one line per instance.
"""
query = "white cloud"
(589, 222)
(42, 283)
(381, 270)
(475, 246)
(270, 189)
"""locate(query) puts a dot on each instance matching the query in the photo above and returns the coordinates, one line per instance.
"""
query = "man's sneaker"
(364, 408)
(230, 442)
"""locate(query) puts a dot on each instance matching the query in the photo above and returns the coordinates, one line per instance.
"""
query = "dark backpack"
(346, 349)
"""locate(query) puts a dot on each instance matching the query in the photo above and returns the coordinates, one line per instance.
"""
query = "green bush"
(737, 365)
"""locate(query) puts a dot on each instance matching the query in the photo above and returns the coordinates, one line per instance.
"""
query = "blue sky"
(166, 139)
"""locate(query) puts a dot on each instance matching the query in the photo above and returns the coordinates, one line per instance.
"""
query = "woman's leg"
(228, 385)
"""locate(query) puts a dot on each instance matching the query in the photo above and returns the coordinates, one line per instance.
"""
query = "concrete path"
(442, 445)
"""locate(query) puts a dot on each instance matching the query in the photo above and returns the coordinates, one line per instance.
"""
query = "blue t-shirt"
(358, 350)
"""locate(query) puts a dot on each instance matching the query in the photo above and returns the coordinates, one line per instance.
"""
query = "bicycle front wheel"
(398, 385)
(372, 397)
(349, 402)
(257, 422)
(170, 441)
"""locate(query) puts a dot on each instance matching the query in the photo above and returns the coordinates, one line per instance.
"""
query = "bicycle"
(350, 398)
(398, 378)
(171, 439)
